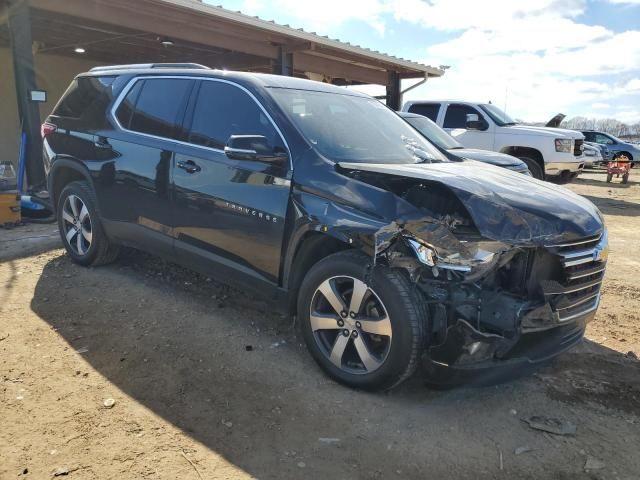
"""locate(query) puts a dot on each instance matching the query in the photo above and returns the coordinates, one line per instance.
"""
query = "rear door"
(134, 190)
(455, 120)
(229, 214)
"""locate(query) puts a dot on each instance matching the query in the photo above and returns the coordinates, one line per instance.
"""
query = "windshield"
(433, 132)
(498, 116)
(349, 128)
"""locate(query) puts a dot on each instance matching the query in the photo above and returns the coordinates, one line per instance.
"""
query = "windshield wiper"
(509, 124)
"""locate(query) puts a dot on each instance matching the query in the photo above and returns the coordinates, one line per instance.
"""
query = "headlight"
(480, 254)
(564, 145)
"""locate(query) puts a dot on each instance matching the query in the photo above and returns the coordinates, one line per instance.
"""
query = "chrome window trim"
(133, 81)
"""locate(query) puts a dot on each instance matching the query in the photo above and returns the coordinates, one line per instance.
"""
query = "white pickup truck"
(550, 153)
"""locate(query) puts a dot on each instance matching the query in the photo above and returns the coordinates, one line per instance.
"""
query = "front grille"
(578, 292)
(577, 148)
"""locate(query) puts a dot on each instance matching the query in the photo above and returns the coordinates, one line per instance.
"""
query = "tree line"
(608, 125)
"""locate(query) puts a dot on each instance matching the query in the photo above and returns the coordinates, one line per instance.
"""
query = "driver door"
(229, 215)
(455, 123)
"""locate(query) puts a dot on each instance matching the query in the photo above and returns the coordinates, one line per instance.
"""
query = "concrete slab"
(28, 239)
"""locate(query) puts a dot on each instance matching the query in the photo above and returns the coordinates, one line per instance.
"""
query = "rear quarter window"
(86, 97)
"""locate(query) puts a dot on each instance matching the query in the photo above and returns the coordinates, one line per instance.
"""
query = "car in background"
(550, 153)
(448, 144)
(614, 145)
(594, 155)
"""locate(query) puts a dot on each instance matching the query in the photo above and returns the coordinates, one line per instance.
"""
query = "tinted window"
(589, 136)
(125, 109)
(429, 110)
(84, 94)
(158, 107)
(456, 116)
(603, 139)
(223, 110)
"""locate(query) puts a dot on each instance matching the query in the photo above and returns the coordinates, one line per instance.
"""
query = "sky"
(534, 57)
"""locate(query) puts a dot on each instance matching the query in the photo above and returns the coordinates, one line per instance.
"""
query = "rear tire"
(609, 177)
(80, 228)
(625, 178)
(565, 179)
(534, 167)
(375, 348)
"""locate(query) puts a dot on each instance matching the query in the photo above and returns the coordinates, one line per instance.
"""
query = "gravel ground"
(144, 370)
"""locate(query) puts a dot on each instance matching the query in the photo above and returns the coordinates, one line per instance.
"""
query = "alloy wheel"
(77, 224)
(350, 324)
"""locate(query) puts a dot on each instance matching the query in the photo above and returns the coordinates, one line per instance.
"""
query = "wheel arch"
(624, 152)
(312, 247)
(64, 171)
(534, 153)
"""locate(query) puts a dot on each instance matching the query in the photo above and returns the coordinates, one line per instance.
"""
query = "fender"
(65, 162)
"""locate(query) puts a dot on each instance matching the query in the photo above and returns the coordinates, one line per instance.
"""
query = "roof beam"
(155, 21)
(310, 63)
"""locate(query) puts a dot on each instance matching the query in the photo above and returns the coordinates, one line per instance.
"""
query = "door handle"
(189, 166)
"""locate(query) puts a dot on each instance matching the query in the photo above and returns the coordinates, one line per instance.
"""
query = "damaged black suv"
(390, 254)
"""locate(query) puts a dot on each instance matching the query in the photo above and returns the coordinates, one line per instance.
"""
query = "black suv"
(324, 200)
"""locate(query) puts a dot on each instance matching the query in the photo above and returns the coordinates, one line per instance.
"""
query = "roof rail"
(149, 65)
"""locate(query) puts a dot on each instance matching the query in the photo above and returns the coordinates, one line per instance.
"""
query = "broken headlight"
(475, 257)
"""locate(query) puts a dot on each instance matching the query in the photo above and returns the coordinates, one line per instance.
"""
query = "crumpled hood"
(487, 156)
(542, 131)
(504, 205)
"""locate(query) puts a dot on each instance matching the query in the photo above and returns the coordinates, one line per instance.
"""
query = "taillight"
(47, 129)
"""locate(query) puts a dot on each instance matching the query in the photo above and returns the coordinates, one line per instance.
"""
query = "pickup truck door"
(229, 215)
(455, 118)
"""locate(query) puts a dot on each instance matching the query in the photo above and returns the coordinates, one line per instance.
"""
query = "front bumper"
(493, 335)
(524, 356)
(560, 168)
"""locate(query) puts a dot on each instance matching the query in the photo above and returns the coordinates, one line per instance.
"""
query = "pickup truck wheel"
(362, 325)
(534, 167)
(80, 227)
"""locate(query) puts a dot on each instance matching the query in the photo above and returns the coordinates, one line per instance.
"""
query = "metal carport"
(142, 31)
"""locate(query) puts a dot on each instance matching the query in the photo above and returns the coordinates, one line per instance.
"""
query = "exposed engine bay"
(487, 295)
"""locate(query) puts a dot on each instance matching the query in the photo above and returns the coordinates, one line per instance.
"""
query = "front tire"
(363, 325)
(534, 167)
(80, 228)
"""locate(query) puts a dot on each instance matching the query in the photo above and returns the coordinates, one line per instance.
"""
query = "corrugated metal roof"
(301, 34)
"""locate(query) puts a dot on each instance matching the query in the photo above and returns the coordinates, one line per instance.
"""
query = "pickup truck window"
(429, 110)
(222, 110)
(352, 128)
(456, 116)
(498, 116)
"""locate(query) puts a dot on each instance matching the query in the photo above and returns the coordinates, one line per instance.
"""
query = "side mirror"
(474, 123)
(253, 147)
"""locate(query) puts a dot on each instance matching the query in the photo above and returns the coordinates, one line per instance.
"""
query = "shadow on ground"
(200, 355)
(615, 206)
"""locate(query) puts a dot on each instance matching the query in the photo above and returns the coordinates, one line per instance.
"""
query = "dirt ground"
(208, 383)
